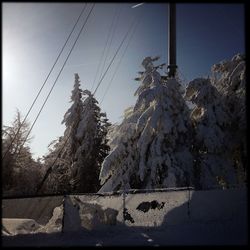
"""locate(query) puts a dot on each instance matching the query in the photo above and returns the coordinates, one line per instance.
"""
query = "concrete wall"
(155, 209)
(39, 209)
(170, 207)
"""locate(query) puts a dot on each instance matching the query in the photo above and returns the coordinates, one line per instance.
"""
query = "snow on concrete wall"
(99, 211)
(163, 208)
(146, 209)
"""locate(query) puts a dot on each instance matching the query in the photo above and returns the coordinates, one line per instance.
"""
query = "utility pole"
(172, 40)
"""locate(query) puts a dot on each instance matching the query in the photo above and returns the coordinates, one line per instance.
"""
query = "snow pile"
(19, 226)
(14, 226)
(32, 215)
(80, 214)
(55, 223)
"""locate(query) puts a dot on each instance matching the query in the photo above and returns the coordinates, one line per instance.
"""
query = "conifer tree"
(19, 170)
(220, 122)
(82, 148)
(152, 149)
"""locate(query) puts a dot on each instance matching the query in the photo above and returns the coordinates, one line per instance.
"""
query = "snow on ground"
(16, 226)
(19, 226)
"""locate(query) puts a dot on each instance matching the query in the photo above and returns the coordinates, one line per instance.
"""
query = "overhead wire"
(114, 56)
(56, 78)
(119, 62)
(46, 79)
(49, 170)
(104, 50)
(109, 46)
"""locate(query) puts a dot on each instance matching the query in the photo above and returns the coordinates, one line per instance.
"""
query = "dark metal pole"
(172, 40)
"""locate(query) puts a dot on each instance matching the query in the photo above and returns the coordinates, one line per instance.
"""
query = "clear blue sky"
(33, 34)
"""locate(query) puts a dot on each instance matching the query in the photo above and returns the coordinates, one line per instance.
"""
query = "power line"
(113, 57)
(57, 77)
(49, 170)
(112, 36)
(102, 55)
(32, 105)
(119, 63)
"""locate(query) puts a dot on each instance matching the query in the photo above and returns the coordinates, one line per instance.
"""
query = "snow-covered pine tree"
(78, 165)
(91, 134)
(151, 149)
(62, 150)
(231, 84)
(218, 128)
(71, 119)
